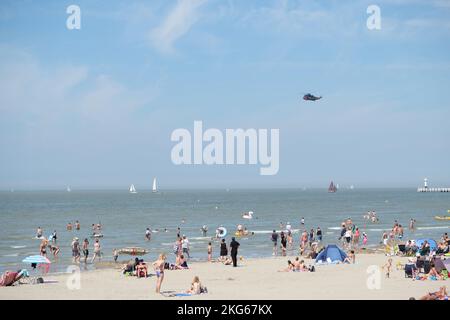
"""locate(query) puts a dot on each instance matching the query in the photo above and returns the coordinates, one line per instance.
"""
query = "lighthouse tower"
(425, 183)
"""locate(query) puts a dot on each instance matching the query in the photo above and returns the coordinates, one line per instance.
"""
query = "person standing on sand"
(85, 248)
(234, 245)
(223, 251)
(97, 251)
(364, 238)
(158, 265)
(209, 252)
(75, 250)
(356, 236)
(289, 239)
(311, 237)
(388, 267)
(283, 244)
(274, 239)
(185, 245)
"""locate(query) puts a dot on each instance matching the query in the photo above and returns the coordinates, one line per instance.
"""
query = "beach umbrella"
(36, 259)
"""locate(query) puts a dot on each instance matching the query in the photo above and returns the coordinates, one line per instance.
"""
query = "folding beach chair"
(410, 270)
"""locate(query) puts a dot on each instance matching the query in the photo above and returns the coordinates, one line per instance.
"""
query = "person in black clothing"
(274, 239)
(234, 245)
(223, 251)
(319, 234)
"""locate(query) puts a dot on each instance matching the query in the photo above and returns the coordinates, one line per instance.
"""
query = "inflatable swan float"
(248, 215)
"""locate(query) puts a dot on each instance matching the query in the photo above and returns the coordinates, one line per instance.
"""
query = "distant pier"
(425, 188)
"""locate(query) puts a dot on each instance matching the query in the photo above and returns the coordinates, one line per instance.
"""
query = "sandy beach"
(253, 279)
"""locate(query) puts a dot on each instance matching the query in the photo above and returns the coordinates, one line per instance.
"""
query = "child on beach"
(351, 257)
(209, 252)
(388, 267)
(97, 252)
(364, 238)
(158, 265)
(196, 287)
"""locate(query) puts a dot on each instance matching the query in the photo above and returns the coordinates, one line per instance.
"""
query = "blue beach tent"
(332, 253)
(431, 242)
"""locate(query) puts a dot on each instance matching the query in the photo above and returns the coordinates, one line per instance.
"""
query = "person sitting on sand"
(351, 257)
(289, 268)
(141, 269)
(181, 262)
(196, 286)
(302, 266)
(425, 249)
(130, 266)
(228, 261)
(433, 274)
(438, 295)
(443, 248)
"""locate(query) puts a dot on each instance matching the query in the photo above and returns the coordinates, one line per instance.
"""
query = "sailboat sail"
(154, 189)
(132, 189)
(68, 189)
(332, 188)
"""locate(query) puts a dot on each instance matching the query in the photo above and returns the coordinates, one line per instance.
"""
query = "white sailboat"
(132, 189)
(68, 189)
(154, 189)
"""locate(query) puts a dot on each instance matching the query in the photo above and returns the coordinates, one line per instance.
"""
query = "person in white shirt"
(185, 245)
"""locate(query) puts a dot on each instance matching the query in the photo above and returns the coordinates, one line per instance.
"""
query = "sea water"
(125, 217)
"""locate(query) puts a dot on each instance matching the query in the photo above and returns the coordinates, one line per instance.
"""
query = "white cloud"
(177, 23)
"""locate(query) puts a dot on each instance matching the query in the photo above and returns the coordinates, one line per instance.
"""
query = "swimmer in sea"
(148, 234)
(69, 226)
(77, 225)
(39, 232)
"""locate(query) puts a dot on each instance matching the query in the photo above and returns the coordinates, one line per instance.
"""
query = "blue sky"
(94, 108)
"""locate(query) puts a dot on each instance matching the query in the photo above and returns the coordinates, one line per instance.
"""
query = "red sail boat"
(332, 188)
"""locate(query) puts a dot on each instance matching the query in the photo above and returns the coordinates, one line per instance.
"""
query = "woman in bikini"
(43, 248)
(158, 265)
